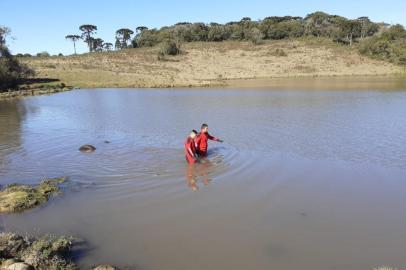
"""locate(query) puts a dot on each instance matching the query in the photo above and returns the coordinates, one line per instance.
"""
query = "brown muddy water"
(304, 180)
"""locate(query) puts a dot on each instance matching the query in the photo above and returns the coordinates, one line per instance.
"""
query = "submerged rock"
(48, 252)
(87, 148)
(18, 197)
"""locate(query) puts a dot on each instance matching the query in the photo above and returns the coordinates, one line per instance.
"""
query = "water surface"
(306, 179)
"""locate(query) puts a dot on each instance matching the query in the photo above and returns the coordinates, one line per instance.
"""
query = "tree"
(395, 32)
(43, 54)
(255, 35)
(4, 31)
(218, 33)
(316, 23)
(368, 28)
(146, 38)
(108, 46)
(73, 38)
(117, 45)
(169, 47)
(88, 31)
(123, 35)
(199, 31)
(97, 44)
(139, 29)
(351, 29)
(11, 70)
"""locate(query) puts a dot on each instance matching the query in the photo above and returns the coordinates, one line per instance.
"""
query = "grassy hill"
(210, 63)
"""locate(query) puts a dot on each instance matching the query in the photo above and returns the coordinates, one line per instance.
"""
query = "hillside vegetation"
(210, 63)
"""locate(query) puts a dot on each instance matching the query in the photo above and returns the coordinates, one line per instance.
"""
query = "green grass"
(17, 197)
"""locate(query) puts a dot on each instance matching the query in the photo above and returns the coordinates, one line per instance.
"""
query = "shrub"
(255, 35)
(43, 54)
(389, 46)
(169, 47)
(279, 52)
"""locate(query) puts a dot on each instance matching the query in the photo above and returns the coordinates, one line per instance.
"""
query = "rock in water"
(87, 148)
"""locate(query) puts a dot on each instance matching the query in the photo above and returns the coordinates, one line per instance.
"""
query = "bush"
(146, 38)
(218, 33)
(255, 35)
(279, 52)
(169, 47)
(43, 54)
(389, 46)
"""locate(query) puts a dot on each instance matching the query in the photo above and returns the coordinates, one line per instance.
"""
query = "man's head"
(204, 128)
(193, 134)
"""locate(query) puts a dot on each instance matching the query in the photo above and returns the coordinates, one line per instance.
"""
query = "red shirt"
(201, 142)
(190, 149)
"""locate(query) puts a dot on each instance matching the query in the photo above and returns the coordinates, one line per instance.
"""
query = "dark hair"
(204, 125)
(194, 131)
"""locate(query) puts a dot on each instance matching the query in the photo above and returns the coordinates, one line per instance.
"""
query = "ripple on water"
(118, 167)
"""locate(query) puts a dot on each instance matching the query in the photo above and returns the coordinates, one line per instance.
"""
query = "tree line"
(318, 24)
(378, 40)
(94, 44)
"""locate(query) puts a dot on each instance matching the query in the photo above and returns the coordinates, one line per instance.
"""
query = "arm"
(190, 152)
(213, 138)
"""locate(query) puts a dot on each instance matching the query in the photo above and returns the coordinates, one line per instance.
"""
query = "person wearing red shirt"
(190, 148)
(202, 139)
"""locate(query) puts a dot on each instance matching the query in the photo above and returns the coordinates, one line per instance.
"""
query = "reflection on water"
(12, 114)
(305, 179)
(200, 171)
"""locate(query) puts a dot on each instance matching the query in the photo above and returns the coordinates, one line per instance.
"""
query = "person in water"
(190, 148)
(202, 139)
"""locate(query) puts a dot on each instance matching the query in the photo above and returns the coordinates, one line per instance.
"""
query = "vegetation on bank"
(204, 64)
(18, 197)
(390, 45)
(45, 253)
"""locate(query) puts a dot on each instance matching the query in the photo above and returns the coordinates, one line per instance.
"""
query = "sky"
(41, 25)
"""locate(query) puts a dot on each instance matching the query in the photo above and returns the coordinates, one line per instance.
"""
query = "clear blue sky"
(42, 25)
